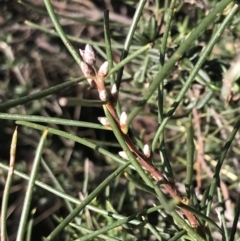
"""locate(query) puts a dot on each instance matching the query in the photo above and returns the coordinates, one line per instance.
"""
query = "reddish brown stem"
(146, 163)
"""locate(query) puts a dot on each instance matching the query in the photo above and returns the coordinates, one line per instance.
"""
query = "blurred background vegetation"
(32, 58)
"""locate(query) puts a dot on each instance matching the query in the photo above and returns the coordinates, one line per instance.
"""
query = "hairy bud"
(88, 55)
(146, 150)
(104, 121)
(123, 122)
(103, 70)
(86, 69)
(103, 95)
(114, 89)
(123, 155)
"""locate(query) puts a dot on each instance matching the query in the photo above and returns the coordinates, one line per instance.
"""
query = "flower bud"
(88, 55)
(146, 150)
(114, 89)
(103, 95)
(104, 121)
(114, 94)
(87, 70)
(123, 122)
(103, 70)
(123, 155)
(123, 118)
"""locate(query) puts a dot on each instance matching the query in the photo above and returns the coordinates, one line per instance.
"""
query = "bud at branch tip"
(88, 55)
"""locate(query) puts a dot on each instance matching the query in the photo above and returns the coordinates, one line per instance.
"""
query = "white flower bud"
(114, 89)
(123, 155)
(103, 70)
(146, 150)
(123, 118)
(103, 95)
(104, 121)
(123, 122)
(88, 55)
(86, 69)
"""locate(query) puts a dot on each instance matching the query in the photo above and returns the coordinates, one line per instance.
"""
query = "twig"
(97, 80)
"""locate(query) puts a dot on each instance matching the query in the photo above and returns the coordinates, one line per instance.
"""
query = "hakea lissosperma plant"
(96, 79)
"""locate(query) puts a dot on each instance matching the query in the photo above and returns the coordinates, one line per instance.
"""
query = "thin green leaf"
(29, 191)
(7, 187)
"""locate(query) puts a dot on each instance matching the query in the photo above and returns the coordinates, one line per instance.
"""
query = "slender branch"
(120, 130)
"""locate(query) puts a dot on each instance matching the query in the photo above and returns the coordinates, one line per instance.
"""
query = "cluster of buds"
(88, 55)
(96, 79)
(87, 65)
